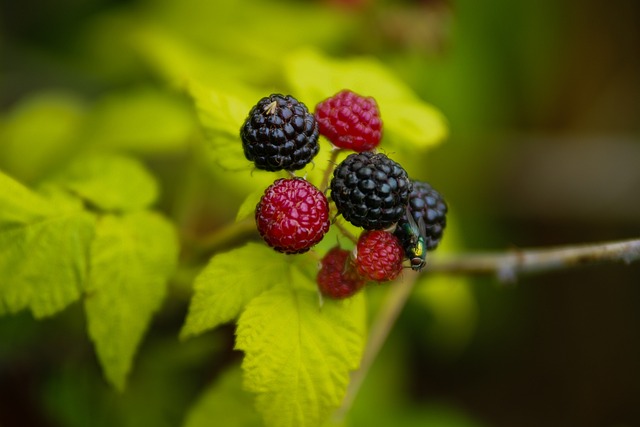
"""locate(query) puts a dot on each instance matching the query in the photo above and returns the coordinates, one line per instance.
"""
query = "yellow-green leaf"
(141, 120)
(110, 182)
(132, 257)
(222, 112)
(44, 251)
(298, 354)
(215, 42)
(248, 208)
(229, 282)
(40, 133)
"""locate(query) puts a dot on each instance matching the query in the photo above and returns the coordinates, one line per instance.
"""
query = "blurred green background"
(543, 103)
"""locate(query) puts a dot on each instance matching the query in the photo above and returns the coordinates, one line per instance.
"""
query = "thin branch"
(345, 232)
(508, 266)
(222, 238)
(330, 167)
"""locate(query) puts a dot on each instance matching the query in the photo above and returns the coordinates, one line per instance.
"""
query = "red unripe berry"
(292, 215)
(337, 277)
(350, 121)
(379, 255)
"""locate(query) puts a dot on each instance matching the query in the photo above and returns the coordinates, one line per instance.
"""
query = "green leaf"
(222, 112)
(226, 403)
(110, 182)
(39, 133)
(132, 258)
(412, 124)
(406, 119)
(248, 208)
(192, 40)
(181, 62)
(298, 354)
(19, 205)
(44, 251)
(229, 282)
(141, 120)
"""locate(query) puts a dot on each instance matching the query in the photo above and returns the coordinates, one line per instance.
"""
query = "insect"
(416, 249)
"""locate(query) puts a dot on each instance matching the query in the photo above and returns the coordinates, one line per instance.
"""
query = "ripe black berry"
(280, 134)
(370, 190)
(429, 210)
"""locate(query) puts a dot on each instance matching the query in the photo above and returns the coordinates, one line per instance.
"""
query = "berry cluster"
(402, 219)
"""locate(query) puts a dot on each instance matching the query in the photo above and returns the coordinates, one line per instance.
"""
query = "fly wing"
(410, 220)
(422, 228)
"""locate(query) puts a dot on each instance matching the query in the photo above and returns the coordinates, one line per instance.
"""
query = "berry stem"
(346, 233)
(226, 236)
(330, 167)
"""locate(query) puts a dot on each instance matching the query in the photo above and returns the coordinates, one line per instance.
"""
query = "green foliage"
(222, 114)
(298, 353)
(110, 182)
(43, 251)
(141, 120)
(282, 318)
(53, 250)
(47, 122)
(85, 229)
(229, 282)
(132, 256)
(247, 209)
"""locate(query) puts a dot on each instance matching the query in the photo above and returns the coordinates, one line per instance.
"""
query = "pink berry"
(292, 215)
(337, 277)
(350, 121)
(379, 255)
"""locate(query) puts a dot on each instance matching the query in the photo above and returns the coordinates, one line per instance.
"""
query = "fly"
(416, 250)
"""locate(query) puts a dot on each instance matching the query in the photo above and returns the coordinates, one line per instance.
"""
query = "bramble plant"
(214, 213)
(326, 200)
(88, 230)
